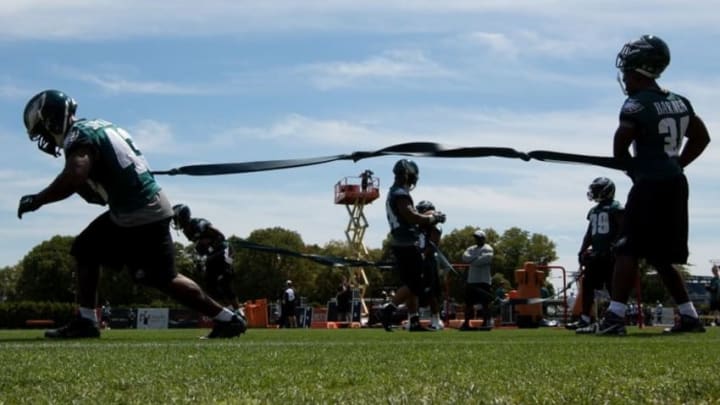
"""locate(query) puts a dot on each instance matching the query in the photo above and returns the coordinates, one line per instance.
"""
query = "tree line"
(46, 273)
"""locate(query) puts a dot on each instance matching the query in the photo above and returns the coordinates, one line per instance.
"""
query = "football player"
(656, 122)
(104, 166)
(404, 221)
(429, 242)
(214, 251)
(604, 220)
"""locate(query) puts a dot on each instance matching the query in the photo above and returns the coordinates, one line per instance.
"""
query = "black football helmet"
(601, 189)
(181, 215)
(648, 56)
(47, 119)
(424, 206)
(407, 169)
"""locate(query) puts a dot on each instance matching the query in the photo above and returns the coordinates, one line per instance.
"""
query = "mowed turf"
(369, 366)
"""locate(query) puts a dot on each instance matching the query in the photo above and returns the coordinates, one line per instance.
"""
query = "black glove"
(439, 217)
(28, 203)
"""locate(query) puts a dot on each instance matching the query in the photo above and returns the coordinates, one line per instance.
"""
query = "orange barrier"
(529, 280)
(39, 323)
(319, 318)
(457, 323)
(256, 313)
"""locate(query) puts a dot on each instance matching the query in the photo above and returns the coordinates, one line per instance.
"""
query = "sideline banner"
(152, 318)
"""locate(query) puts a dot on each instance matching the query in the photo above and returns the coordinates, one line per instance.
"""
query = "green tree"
(329, 278)
(261, 274)
(47, 272)
(9, 276)
(512, 249)
(516, 246)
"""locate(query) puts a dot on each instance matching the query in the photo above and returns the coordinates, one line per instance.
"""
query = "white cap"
(288, 282)
(479, 234)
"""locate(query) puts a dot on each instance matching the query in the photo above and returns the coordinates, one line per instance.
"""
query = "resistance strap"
(333, 261)
(419, 149)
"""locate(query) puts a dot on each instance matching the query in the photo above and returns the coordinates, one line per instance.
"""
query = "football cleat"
(386, 316)
(612, 324)
(467, 328)
(77, 328)
(686, 324)
(230, 329)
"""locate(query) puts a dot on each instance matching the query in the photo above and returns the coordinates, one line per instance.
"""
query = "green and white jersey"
(662, 118)
(603, 226)
(120, 174)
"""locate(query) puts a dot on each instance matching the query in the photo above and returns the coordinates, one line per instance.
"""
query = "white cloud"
(116, 83)
(12, 91)
(154, 137)
(47, 19)
(396, 65)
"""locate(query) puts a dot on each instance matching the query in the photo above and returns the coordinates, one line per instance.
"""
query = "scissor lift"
(354, 193)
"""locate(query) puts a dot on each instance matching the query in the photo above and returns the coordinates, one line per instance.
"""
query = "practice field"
(369, 366)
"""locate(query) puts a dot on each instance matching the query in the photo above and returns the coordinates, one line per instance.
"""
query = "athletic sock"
(618, 308)
(688, 309)
(88, 313)
(225, 315)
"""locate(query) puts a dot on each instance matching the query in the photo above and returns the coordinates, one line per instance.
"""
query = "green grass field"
(344, 366)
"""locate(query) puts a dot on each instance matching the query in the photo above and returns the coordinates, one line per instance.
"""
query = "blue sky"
(233, 81)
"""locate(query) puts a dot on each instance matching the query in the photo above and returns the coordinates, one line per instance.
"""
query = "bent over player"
(104, 166)
(214, 251)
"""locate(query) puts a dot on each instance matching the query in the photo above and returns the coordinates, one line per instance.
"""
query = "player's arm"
(625, 134)
(470, 254)
(587, 239)
(75, 173)
(698, 139)
(73, 176)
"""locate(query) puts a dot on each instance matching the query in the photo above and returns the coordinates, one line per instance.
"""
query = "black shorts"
(146, 251)
(478, 293)
(598, 273)
(288, 309)
(655, 224)
(219, 276)
(409, 265)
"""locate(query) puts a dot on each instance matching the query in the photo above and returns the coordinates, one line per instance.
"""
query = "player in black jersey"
(212, 248)
(596, 255)
(655, 122)
(405, 221)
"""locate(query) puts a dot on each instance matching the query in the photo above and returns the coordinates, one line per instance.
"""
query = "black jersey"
(662, 118)
(403, 233)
